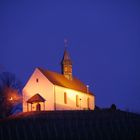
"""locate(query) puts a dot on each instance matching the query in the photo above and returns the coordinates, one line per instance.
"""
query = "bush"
(113, 107)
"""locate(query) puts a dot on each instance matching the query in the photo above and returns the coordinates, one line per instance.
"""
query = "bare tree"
(10, 93)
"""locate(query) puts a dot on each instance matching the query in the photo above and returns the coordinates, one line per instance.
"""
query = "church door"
(38, 107)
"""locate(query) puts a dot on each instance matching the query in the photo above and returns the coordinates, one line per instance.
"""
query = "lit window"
(37, 80)
(65, 97)
(77, 100)
(88, 103)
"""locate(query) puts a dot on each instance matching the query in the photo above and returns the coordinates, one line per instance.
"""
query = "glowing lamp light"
(11, 99)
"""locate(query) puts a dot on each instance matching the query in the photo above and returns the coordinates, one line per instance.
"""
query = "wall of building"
(43, 87)
(71, 99)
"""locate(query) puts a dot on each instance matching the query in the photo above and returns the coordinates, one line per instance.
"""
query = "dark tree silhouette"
(10, 93)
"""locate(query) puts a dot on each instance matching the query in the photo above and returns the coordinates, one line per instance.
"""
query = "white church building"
(48, 90)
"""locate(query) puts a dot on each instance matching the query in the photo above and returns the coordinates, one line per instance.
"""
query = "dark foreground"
(74, 125)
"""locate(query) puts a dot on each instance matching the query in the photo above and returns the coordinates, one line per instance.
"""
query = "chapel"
(49, 90)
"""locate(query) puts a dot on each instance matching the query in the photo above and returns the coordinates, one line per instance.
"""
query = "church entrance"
(36, 103)
(38, 107)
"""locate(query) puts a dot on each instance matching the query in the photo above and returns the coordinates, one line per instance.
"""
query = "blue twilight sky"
(104, 44)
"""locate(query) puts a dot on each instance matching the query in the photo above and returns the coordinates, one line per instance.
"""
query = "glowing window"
(88, 101)
(77, 100)
(65, 97)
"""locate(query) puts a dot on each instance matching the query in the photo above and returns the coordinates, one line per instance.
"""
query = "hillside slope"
(64, 125)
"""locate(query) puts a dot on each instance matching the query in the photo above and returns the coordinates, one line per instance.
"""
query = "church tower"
(66, 63)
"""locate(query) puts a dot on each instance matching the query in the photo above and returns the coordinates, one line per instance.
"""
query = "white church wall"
(41, 86)
(71, 99)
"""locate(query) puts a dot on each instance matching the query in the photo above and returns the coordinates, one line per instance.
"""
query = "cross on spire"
(65, 43)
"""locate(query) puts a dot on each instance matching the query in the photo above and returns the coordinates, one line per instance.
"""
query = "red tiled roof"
(36, 98)
(60, 80)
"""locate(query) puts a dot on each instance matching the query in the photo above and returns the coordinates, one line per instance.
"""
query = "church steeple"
(66, 63)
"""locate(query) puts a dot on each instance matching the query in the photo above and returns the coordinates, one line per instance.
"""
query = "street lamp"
(11, 99)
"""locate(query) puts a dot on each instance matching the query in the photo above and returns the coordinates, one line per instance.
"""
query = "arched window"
(65, 97)
(77, 100)
(88, 103)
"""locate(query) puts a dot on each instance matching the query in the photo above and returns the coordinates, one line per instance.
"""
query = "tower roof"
(66, 58)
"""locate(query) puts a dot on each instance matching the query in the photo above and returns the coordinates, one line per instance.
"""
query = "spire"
(66, 57)
(66, 62)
